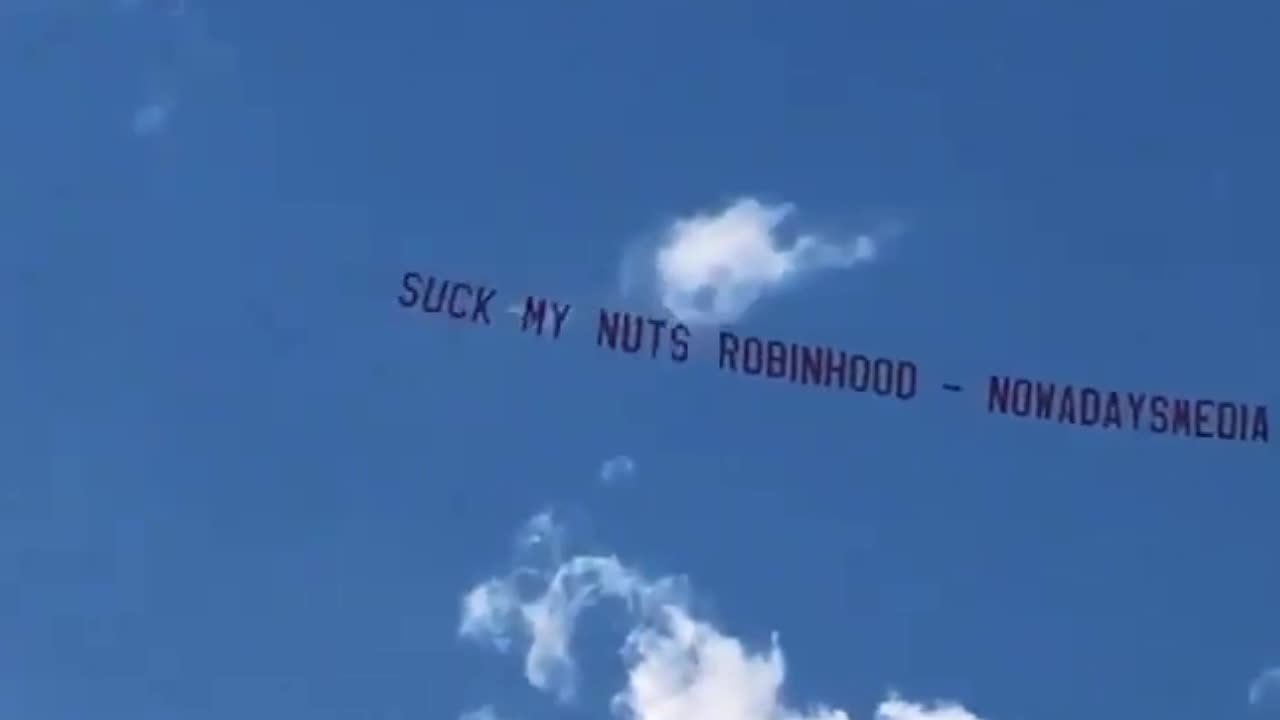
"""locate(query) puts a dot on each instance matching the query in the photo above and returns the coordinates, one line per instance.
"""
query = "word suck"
(838, 369)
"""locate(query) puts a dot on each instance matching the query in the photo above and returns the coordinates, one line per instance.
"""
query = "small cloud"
(617, 470)
(152, 117)
(1264, 693)
(485, 712)
(711, 268)
(678, 667)
(895, 708)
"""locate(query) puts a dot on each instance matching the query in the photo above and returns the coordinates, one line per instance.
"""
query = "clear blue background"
(237, 480)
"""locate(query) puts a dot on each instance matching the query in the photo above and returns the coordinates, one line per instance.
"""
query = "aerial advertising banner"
(838, 369)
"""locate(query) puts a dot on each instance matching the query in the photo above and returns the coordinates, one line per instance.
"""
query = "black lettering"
(410, 281)
(752, 356)
(859, 373)
(883, 376)
(607, 329)
(1090, 406)
(560, 313)
(1111, 412)
(1044, 400)
(1182, 416)
(729, 350)
(679, 342)
(439, 301)
(1227, 421)
(1261, 429)
(1067, 411)
(535, 313)
(1202, 418)
(453, 300)
(1021, 397)
(1135, 406)
(776, 359)
(1159, 414)
(907, 378)
(481, 309)
(998, 395)
(632, 332)
(811, 365)
(657, 324)
(835, 370)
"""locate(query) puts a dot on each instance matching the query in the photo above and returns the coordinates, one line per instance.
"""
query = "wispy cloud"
(485, 712)
(616, 470)
(152, 117)
(678, 667)
(174, 33)
(711, 267)
(183, 36)
(1264, 692)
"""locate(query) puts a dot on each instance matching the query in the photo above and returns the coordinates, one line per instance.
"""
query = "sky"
(240, 478)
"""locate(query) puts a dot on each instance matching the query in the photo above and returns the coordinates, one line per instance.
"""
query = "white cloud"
(485, 712)
(678, 667)
(895, 708)
(152, 117)
(710, 268)
(616, 470)
(1264, 693)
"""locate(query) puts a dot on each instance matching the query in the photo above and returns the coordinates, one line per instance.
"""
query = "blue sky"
(239, 480)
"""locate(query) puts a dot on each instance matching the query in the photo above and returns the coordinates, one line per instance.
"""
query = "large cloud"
(677, 666)
(709, 268)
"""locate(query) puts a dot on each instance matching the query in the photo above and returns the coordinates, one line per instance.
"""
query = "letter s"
(412, 298)
(1160, 413)
(679, 342)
